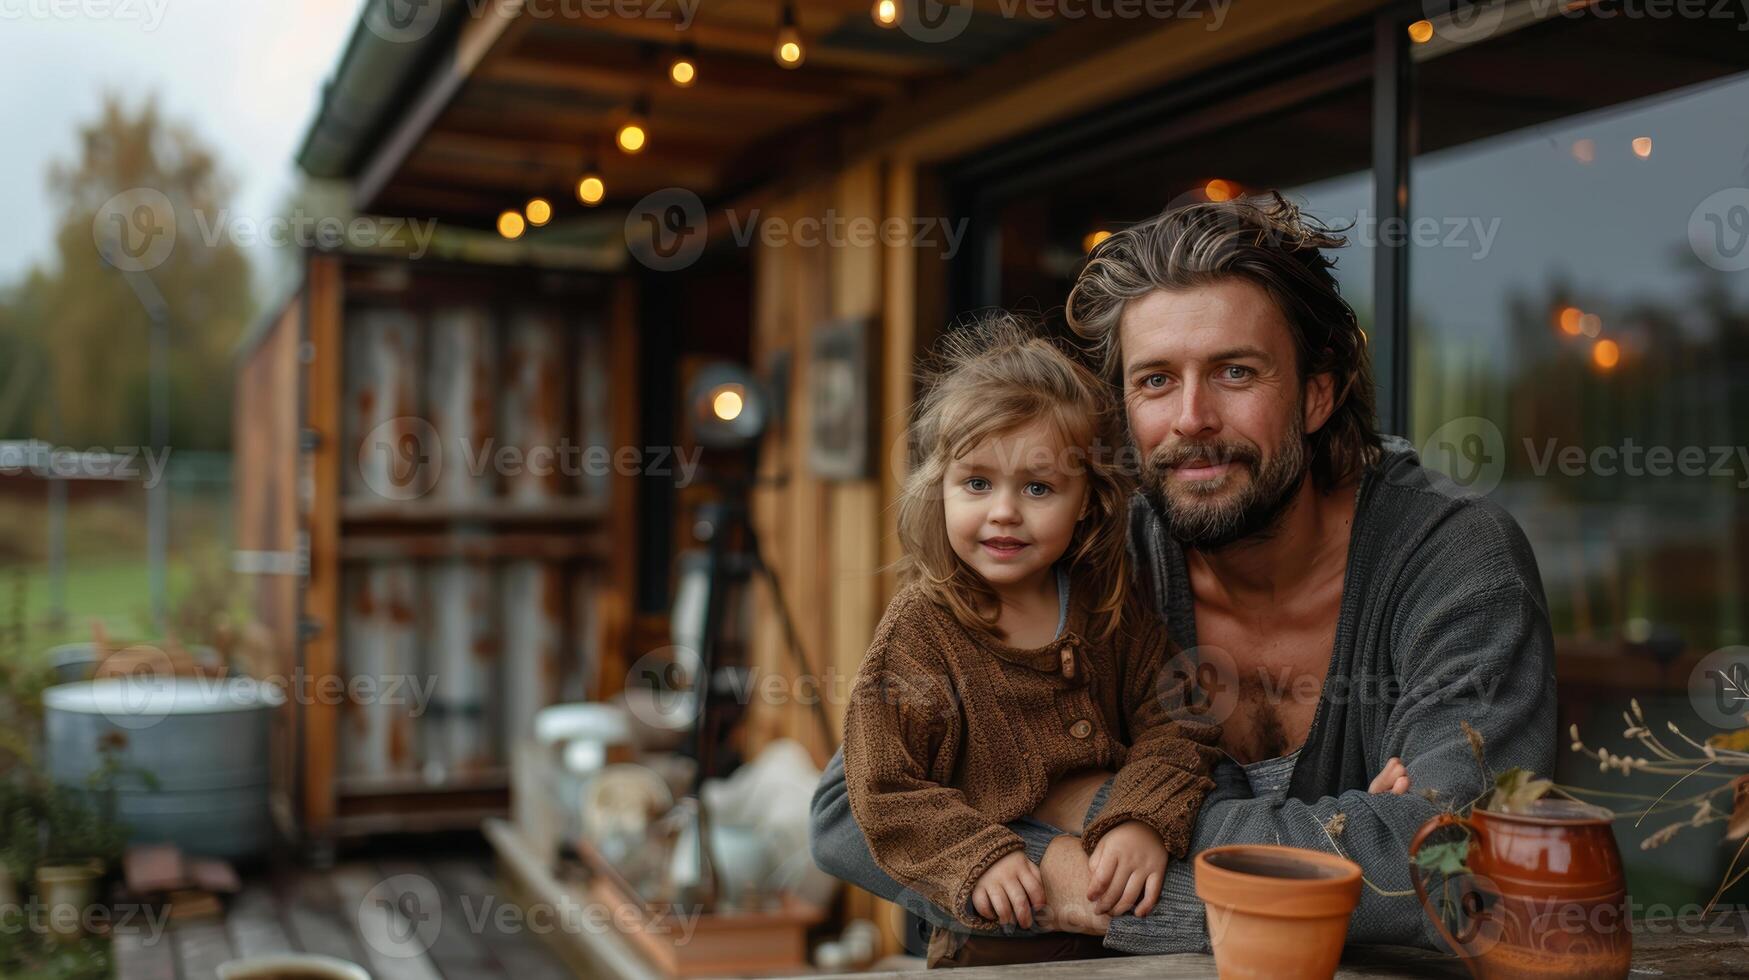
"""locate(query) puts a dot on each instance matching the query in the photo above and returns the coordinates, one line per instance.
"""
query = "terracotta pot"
(1276, 912)
(67, 892)
(1546, 897)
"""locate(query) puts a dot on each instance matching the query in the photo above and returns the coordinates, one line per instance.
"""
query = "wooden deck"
(473, 934)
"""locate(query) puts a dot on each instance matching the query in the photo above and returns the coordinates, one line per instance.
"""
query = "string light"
(788, 50)
(683, 70)
(632, 135)
(886, 13)
(511, 225)
(1421, 31)
(539, 211)
(591, 188)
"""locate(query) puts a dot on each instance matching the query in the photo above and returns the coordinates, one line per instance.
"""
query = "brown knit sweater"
(950, 734)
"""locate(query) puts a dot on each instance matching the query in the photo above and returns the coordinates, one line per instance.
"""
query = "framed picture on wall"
(840, 392)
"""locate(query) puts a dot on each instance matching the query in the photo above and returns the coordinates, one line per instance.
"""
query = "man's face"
(1215, 405)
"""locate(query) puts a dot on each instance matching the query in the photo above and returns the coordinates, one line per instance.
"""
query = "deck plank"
(310, 912)
(200, 948)
(457, 950)
(520, 952)
(396, 924)
(140, 955)
(253, 921)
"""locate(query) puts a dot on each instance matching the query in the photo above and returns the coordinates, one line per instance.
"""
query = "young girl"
(1014, 653)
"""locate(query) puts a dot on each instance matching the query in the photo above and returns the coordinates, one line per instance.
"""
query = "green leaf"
(1515, 790)
(1447, 859)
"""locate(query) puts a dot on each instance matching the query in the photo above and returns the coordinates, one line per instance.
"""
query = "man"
(1342, 610)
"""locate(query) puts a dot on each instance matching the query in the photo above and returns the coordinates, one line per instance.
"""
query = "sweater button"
(1081, 729)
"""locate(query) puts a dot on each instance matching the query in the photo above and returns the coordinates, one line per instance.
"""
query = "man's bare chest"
(1267, 680)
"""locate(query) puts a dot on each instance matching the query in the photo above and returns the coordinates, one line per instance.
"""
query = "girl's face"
(1011, 506)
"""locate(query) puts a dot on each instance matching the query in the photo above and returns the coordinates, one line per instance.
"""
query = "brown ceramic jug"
(1546, 897)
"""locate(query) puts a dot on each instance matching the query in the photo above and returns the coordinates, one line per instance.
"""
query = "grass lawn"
(116, 592)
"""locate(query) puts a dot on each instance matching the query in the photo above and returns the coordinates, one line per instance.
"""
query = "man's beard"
(1209, 515)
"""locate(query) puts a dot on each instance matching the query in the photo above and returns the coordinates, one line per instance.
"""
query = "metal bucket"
(193, 754)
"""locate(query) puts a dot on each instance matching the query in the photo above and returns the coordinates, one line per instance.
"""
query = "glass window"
(1579, 344)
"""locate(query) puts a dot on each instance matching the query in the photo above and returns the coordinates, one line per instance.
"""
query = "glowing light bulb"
(1093, 238)
(631, 137)
(591, 189)
(1421, 31)
(886, 13)
(682, 71)
(511, 225)
(727, 404)
(539, 211)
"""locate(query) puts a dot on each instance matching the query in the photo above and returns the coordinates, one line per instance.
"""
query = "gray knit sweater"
(1443, 620)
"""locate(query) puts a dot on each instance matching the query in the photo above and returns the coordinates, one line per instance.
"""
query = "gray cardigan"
(1443, 620)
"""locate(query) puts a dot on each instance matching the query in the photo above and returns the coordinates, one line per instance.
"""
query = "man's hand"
(1129, 864)
(1064, 870)
(1392, 780)
(1009, 890)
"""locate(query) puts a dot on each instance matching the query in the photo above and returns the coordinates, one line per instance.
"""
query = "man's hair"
(989, 379)
(1272, 246)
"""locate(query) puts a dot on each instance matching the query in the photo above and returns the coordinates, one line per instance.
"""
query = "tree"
(88, 324)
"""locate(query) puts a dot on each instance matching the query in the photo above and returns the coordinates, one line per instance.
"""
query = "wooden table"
(1715, 947)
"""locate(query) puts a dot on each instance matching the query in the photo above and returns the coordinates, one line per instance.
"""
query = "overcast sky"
(245, 75)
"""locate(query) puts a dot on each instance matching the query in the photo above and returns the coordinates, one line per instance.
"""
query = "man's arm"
(1482, 656)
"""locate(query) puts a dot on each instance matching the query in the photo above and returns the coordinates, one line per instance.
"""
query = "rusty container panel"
(461, 399)
(387, 445)
(380, 633)
(594, 412)
(461, 726)
(531, 406)
(533, 668)
(583, 683)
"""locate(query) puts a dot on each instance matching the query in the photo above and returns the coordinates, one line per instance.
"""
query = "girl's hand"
(1393, 779)
(1128, 864)
(1009, 890)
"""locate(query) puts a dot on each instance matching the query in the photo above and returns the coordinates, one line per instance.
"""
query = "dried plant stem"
(1666, 792)
(1728, 880)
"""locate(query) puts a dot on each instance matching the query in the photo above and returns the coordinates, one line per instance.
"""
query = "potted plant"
(1518, 912)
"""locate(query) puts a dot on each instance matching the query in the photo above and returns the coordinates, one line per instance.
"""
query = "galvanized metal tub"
(193, 753)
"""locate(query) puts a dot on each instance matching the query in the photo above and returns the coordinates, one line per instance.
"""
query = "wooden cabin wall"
(833, 543)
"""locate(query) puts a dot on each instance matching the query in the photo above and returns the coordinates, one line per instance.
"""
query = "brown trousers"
(949, 949)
